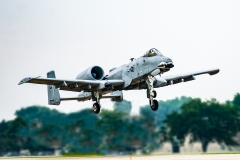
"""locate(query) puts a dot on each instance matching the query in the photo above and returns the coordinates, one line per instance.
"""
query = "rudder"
(53, 92)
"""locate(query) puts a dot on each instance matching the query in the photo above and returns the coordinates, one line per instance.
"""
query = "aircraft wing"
(188, 76)
(73, 85)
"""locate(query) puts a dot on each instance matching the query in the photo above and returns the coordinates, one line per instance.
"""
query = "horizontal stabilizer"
(84, 96)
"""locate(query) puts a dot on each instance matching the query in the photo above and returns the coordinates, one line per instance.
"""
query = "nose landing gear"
(154, 105)
(151, 93)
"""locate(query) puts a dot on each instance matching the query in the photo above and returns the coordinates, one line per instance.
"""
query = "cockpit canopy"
(152, 52)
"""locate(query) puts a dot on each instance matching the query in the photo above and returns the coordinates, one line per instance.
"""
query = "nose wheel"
(96, 108)
(154, 104)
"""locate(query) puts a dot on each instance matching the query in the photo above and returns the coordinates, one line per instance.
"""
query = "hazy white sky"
(69, 36)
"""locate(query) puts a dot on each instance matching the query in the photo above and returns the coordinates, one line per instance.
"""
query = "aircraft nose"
(169, 60)
(169, 63)
(166, 63)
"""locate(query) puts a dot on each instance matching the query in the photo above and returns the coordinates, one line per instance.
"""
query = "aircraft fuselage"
(138, 69)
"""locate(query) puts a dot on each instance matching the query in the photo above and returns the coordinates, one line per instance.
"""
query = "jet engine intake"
(91, 73)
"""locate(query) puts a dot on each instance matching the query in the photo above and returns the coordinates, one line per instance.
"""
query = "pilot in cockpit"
(152, 52)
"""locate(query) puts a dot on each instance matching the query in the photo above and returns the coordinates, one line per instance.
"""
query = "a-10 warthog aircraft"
(141, 73)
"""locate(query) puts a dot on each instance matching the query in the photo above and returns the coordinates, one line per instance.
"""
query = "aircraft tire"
(96, 108)
(154, 94)
(154, 107)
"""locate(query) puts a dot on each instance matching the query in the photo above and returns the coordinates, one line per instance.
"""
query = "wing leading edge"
(173, 79)
(72, 85)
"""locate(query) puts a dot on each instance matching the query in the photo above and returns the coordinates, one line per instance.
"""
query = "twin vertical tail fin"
(53, 92)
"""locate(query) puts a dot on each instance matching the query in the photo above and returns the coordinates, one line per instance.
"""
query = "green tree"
(205, 122)
(122, 132)
(43, 114)
(124, 106)
(4, 139)
(166, 107)
(3, 126)
(236, 100)
(82, 138)
(151, 132)
(111, 126)
(9, 136)
(16, 125)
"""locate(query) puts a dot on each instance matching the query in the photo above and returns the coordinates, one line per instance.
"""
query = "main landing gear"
(96, 106)
(151, 93)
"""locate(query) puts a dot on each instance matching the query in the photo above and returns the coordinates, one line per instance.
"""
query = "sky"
(69, 36)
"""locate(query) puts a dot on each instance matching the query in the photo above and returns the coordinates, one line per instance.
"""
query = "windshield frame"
(152, 53)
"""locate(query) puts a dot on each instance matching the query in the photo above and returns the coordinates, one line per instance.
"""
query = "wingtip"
(215, 71)
(24, 80)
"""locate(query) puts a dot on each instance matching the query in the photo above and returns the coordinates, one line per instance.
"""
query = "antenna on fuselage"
(132, 59)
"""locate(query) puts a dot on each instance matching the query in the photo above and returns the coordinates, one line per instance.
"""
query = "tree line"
(39, 128)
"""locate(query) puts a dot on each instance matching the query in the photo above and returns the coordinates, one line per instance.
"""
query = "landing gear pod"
(119, 96)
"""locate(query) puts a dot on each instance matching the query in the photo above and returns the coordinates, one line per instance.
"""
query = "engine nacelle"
(92, 73)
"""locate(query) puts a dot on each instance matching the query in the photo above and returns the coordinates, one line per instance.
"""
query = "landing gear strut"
(154, 94)
(96, 106)
(151, 93)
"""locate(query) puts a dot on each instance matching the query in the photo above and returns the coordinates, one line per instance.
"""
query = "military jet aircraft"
(140, 73)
